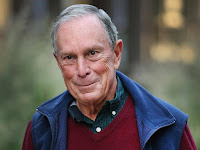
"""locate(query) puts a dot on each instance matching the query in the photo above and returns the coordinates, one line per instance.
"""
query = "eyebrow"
(94, 47)
(97, 47)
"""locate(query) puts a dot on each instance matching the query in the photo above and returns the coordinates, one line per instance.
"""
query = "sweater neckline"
(118, 120)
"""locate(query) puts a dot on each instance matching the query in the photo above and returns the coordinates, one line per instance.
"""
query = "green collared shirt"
(108, 112)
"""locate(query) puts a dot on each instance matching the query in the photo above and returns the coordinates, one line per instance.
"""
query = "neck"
(91, 110)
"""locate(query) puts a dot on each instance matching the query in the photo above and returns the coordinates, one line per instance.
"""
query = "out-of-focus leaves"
(28, 75)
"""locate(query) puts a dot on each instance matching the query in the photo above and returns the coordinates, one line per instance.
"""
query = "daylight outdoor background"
(161, 52)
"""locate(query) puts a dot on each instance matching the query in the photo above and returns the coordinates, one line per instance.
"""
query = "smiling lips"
(85, 84)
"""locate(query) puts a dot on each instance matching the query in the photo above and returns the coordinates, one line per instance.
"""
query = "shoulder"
(43, 121)
(52, 106)
(49, 109)
(147, 102)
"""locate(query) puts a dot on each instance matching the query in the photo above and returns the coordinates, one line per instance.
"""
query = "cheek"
(101, 68)
(105, 69)
(67, 72)
(105, 65)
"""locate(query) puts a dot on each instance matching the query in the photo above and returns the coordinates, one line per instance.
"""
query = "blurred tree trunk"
(54, 8)
(134, 33)
(103, 4)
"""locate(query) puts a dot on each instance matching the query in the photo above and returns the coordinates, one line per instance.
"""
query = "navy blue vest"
(160, 125)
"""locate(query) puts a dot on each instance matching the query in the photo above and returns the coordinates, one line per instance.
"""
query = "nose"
(83, 68)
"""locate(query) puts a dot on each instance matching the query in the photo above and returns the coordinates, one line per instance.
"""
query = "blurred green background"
(161, 52)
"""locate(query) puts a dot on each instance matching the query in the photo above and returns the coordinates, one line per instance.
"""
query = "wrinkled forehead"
(82, 32)
(82, 22)
(83, 17)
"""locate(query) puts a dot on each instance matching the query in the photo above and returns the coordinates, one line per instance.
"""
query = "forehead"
(76, 23)
(84, 30)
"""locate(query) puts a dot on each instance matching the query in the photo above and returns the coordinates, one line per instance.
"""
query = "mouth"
(86, 84)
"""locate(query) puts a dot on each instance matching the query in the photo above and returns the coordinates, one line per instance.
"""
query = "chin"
(90, 97)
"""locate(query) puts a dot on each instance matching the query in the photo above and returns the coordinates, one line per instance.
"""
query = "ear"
(58, 62)
(117, 53)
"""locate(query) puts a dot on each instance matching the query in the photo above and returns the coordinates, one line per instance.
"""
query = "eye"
(68, 57)
(92, 52)
(94, 55)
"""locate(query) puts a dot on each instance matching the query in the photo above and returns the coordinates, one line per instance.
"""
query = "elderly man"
(102, 108)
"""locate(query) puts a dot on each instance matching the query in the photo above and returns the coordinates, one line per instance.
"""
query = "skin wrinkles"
(91, 77)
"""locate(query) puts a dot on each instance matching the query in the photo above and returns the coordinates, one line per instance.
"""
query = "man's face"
(86, 60)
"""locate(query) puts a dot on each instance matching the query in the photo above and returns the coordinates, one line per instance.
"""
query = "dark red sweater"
(120, 134)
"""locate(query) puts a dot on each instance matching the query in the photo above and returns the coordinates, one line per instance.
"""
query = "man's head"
(77, 11)
(85, 56)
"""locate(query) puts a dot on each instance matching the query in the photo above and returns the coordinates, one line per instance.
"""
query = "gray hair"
(80, 10)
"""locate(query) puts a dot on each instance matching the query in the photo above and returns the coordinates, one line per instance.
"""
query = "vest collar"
(150, 112)
(54, 105)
